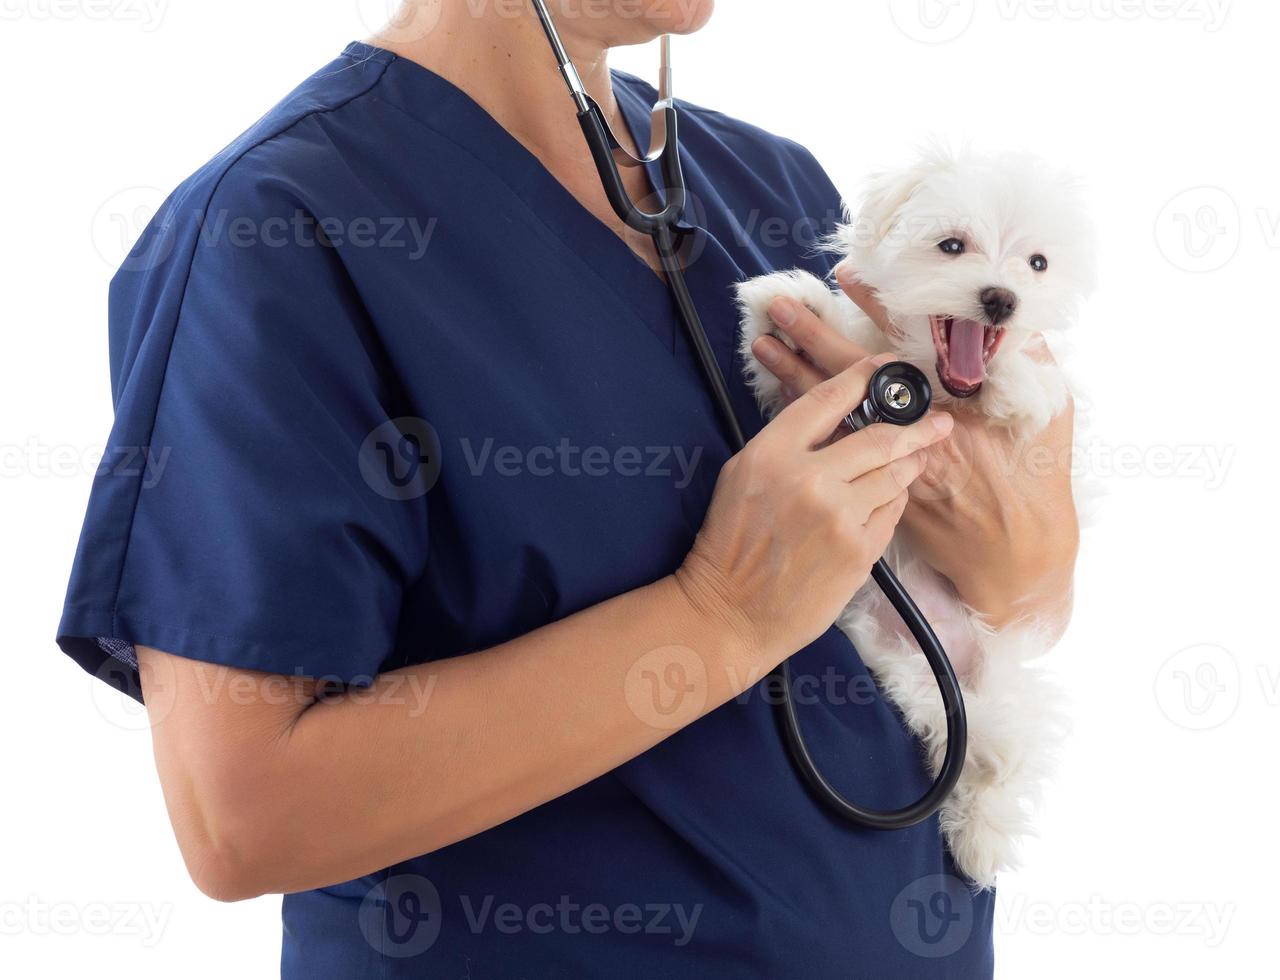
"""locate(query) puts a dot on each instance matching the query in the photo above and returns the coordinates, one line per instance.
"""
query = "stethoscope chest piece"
(898, 394)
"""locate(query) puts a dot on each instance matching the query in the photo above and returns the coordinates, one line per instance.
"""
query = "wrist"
(719, 622)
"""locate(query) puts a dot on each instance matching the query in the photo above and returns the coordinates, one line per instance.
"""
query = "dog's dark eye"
(1039, 263)
(952, 246)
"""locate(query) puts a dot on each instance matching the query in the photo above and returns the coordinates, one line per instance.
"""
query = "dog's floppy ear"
(886, 194)
(883, 198)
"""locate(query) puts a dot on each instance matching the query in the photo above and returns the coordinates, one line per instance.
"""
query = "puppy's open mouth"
(965, 348)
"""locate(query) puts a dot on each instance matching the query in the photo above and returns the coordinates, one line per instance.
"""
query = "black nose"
(1000, 304)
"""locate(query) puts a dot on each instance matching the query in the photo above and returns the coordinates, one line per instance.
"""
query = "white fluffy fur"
(1006, 209)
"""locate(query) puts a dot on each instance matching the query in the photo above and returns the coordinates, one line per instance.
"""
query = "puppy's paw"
(754, 297)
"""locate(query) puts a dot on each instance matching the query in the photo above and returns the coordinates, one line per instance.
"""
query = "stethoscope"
(898, 394)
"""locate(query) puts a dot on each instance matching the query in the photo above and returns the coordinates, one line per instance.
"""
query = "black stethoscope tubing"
(662, 226)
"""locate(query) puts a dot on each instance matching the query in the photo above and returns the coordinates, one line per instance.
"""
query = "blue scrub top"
(377, 274)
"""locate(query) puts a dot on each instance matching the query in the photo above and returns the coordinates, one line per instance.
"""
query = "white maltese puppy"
(973, 257)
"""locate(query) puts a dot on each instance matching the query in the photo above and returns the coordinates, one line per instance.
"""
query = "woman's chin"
(679, 16)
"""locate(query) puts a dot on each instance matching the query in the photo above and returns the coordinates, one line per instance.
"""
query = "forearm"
(343, 787)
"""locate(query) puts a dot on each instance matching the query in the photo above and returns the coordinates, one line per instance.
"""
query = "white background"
(1158, 851)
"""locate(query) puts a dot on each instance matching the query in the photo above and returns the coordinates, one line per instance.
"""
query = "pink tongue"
(966, 352)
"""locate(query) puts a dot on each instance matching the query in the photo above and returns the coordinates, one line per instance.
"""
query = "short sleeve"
(821, 204)
(235, 518)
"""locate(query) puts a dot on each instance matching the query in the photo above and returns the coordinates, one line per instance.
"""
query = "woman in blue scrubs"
(419, 537)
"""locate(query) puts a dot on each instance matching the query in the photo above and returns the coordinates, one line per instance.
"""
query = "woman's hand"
(798, 519)
(992, 514)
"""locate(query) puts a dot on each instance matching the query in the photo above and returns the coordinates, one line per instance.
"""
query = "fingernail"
(943, 422)
(847, 276)
(880, 360)
(767, 351)
(783, 311)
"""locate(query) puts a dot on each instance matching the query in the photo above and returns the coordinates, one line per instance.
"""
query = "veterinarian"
(447, 604)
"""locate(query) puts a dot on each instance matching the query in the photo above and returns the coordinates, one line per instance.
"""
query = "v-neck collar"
(452, 114)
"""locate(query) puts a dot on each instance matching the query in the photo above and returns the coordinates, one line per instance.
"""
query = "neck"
(503, 62)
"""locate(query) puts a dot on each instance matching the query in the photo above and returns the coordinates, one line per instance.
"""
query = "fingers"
(864, 296)
(886, 484)
(830, 351)
(812, 418)
(795, 373)
(882, 445)
(884, 520)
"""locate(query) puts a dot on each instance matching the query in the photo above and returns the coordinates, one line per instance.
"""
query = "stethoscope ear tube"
(601, 143)
(953, 704)
(899, 394)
